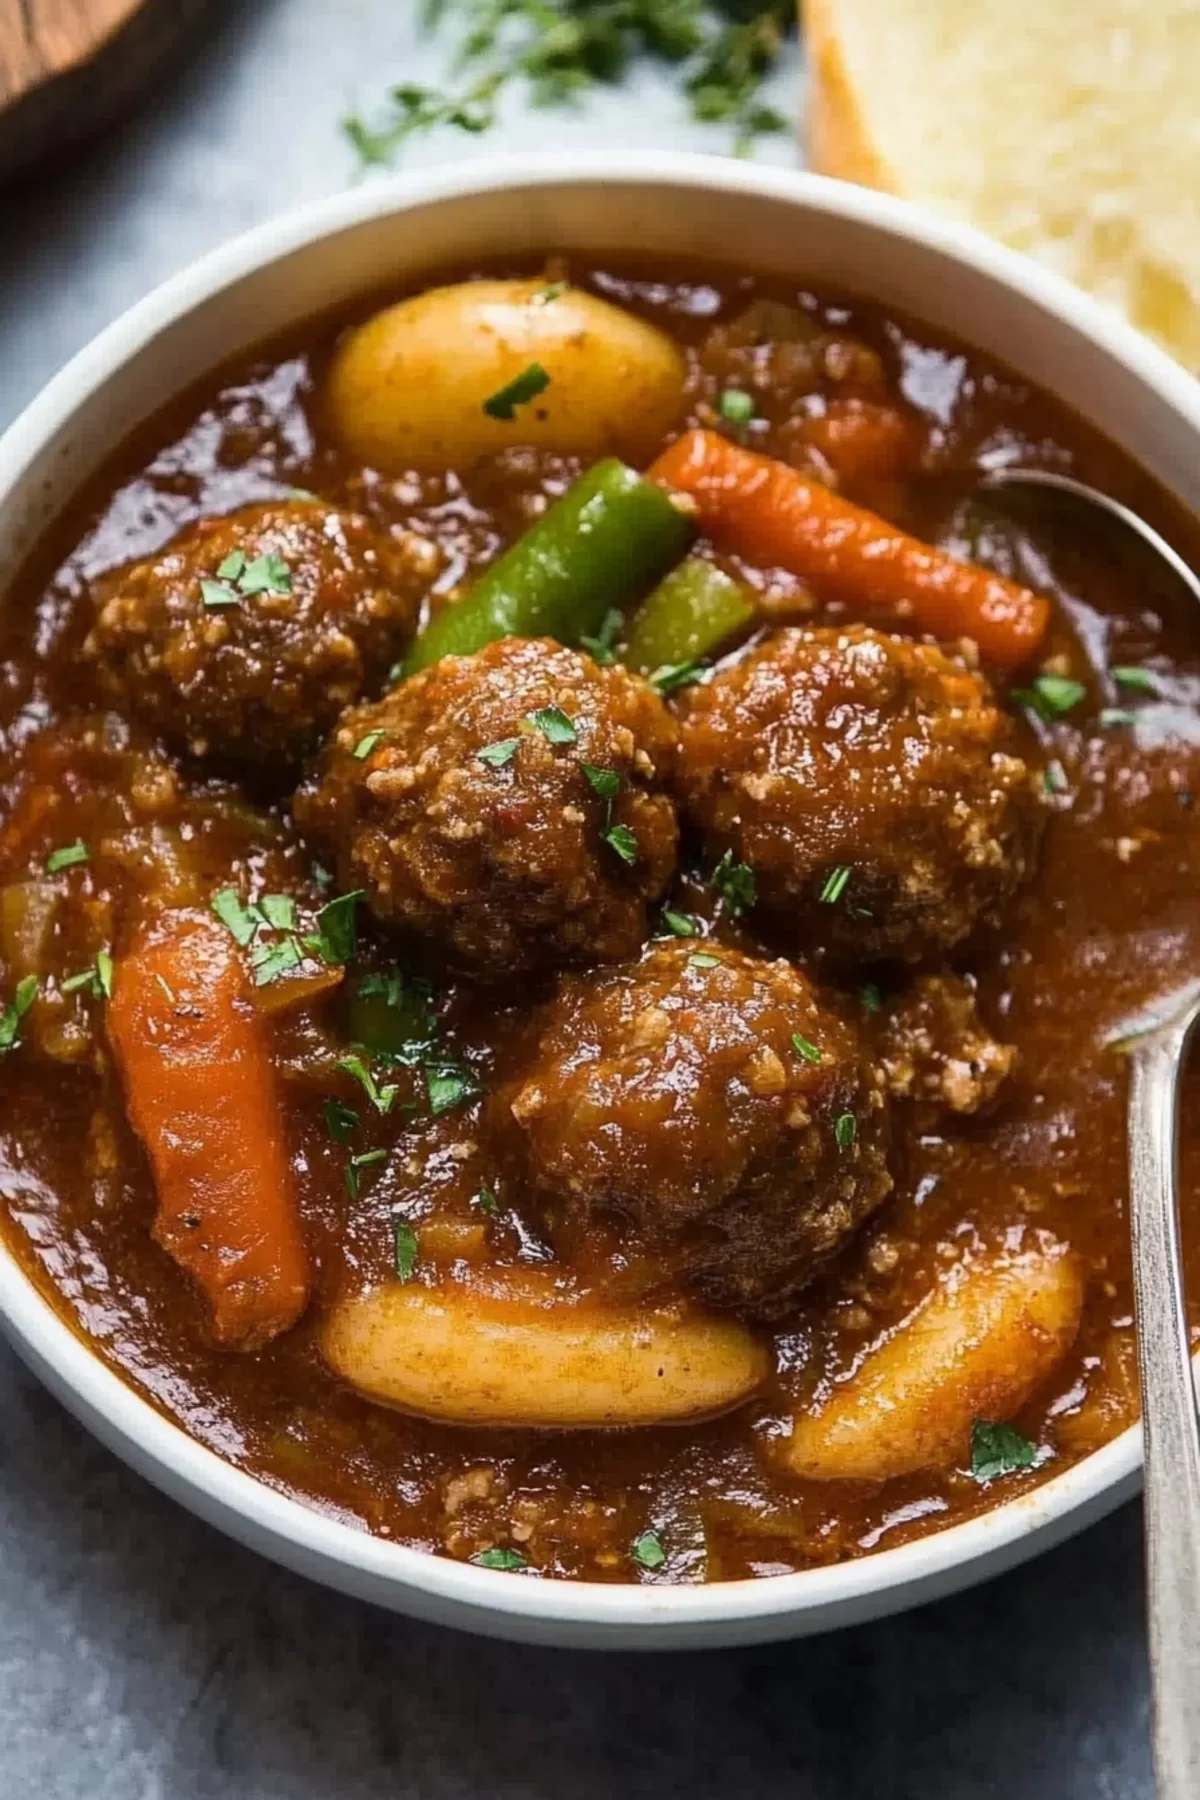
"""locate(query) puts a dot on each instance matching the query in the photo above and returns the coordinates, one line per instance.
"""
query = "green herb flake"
(553, 290)
(622, 842)
(1054, 778)
(870, 997)
(647, 1551)
(97, 980)
(367, 1159)
(602, 647)
(1117, 715)
(803, 1048)
(678, 924)
(233, 567)
(670, 677)
(279, 911)
(271, 962)
(104, 973)
(836, 883)
(406, 1248)
(341, 1121)
(366, 744)
(242, 921)
(70, 856)
(217, 593)
(381, 1095)
(532, 381)
(553, 724)
(23, 998)
(1050, 696)
(845, 1130)
(487, 1202)
(736, 406)
(497, 754)
(498, 1558)
(266, 575)
(999, 1450)
(336, 938)
(1141, 680)
(449, 1084)
(702, 959)
(605, 782)
(735, 883)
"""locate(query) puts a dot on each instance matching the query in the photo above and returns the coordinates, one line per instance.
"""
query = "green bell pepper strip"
(602, 545)
(690, 614)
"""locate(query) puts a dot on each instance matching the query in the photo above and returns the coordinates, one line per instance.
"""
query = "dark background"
(144, 1658)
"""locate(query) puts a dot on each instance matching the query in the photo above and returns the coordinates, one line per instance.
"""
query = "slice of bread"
(1069, 128)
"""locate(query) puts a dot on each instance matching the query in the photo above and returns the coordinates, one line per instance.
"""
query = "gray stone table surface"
(142, 1657)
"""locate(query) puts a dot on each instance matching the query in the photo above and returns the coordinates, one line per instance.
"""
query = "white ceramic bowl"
(362, 241)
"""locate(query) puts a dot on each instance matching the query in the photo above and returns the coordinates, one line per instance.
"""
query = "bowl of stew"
(569, 884)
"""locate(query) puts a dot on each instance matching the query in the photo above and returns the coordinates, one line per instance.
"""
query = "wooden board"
(69, 66)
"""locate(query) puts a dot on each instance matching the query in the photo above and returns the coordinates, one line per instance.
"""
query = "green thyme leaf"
(497, 754)
(69, 857)
(999, 1450)
(553, 724)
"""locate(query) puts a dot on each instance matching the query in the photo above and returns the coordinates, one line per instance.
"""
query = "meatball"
(242, 641)
(937, 1052)
(871, 784)
(503, 805)
(717, 1106)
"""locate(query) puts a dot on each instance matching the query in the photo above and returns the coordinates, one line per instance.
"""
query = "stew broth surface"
(1109, 921)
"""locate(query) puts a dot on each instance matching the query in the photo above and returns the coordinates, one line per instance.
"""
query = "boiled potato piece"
(976, 1349)
(486, 1358)
(407, 389)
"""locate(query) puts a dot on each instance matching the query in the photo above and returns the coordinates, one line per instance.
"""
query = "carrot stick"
(774, 516)
(200, 1092)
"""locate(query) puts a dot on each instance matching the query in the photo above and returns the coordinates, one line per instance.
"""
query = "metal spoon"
(1157, 1045)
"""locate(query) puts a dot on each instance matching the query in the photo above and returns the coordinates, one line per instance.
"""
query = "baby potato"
(407, 390)
(472, 1357)
(975, 1349)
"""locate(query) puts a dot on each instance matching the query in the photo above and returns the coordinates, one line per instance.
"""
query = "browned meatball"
(871, 784)
(719, 1107)
(937, 1052)
(504, 805)
(243, 640)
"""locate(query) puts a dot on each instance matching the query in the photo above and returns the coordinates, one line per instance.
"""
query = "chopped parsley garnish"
(341, 1121)
(382, 1096)
(96, 980)
(836, 883)
(803, 1048)
(270, 962)
(217, 593)
(870, 997)
(406, 1248)
(523, 388)
(497, 754)
(1131, 677)
(336, 937)
(242, 921)
(647, 1551)
(678, 924)
(735, 405)
(498, 1558)
(265, 575)
(279, 911)
(670, 677)
(1117, 715)
(552, 291)
(1050, 696)
(621, 840)
(999, 1450)
(735, 883)
(702, 959)
(845, 1130)
(602, 647)
(366, 744)
(1054, 778)
(10, 1019)
(449, 1084)
(68, 857)
(233, 567)
(605, 782)
(553, 724)
(486, 1201)
(366, 1159)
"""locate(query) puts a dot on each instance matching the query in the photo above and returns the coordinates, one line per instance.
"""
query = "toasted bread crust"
(837, 139)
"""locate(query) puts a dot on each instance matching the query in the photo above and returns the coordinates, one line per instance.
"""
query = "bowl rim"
(344, 1554)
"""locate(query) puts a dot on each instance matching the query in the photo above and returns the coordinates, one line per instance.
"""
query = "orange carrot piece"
(776, 517)
(200, 1093)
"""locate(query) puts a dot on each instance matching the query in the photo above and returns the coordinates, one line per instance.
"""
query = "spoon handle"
(1169, 1422)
